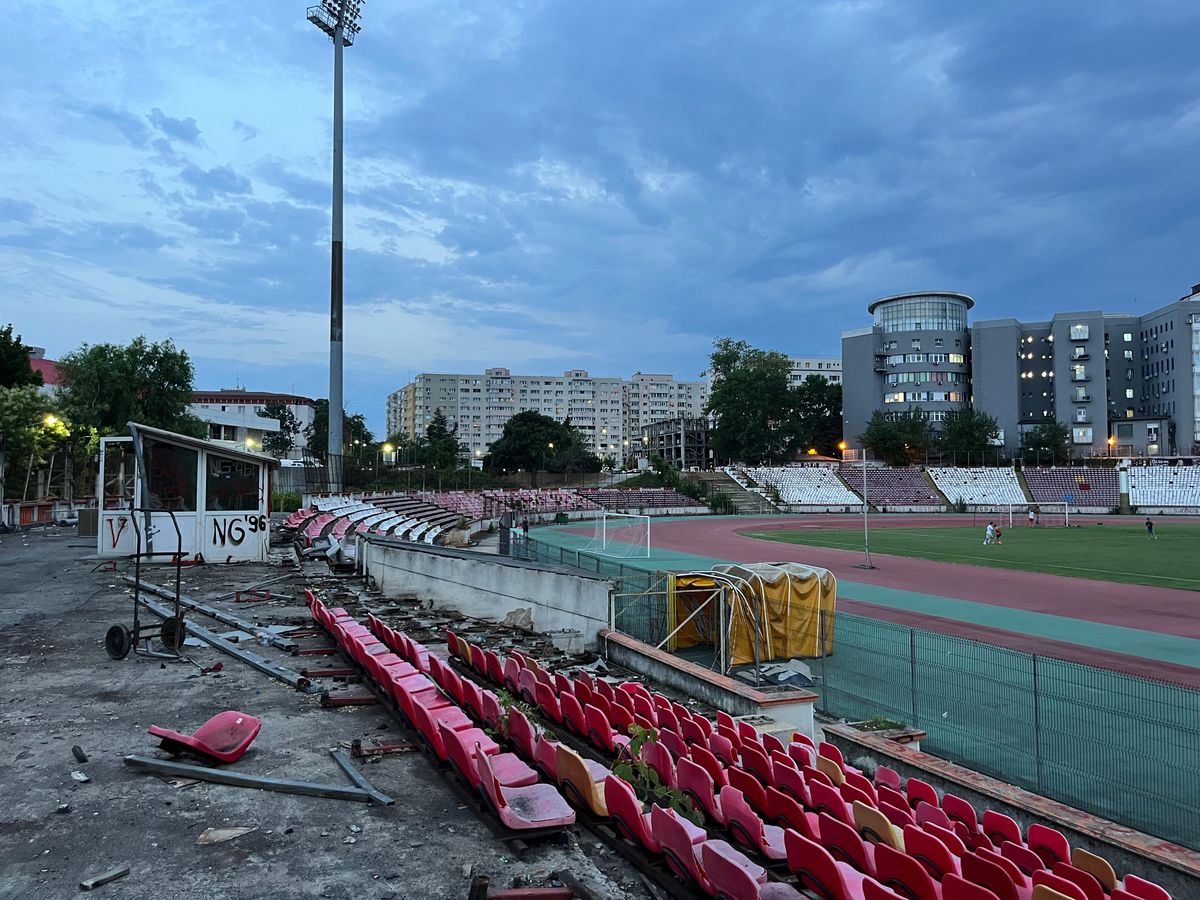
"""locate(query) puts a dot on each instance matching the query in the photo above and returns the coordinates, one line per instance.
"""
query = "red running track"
(1164, 610)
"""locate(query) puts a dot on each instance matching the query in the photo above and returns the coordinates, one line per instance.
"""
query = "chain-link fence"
(1115, 745)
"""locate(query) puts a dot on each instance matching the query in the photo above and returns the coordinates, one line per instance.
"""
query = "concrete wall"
(489, 587)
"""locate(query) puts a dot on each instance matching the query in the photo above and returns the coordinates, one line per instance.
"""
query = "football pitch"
(1121, 553)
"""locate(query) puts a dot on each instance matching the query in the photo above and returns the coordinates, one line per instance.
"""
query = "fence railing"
(1115, 745)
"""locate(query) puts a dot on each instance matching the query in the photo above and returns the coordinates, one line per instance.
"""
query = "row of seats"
(1087, 487)
(978, 486)
(1153, 486)
(638, 498)
(419, 683)
(813, 804)
(342, 517)
(886, 486)
(805, 486)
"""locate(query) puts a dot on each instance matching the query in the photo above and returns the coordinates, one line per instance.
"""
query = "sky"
(609, 186)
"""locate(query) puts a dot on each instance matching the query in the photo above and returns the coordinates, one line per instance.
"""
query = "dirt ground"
(61, 689)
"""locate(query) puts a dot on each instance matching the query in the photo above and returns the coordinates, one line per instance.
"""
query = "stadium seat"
(930, 852)
(1057, 883)
(1021, 857)
(658, 758)
(928, 813)
(572, 715)
(722, 749)
(918, 790)
(817, 871)
(952, 841)
(1147, 890)
(886, 776)
(784, 811)
(581, 780)
(750, 787)
(626, 811)
(696, 783)
(682, 855)
(959, 810)
(827, 800)
(702, 757)
(1085, 880)
(1045, 892)
(1096, 866)
(875, 828)
(547, 702)
(791, 782)
(845, 844)
(955, 887)
(831, 770)
(899, 816)
(223, 739)
(1001, 828)
(904, 874)
(734, 877)
(985, 873)
(522, 808)
(748, 829)
(508, 769)
(1049, 844)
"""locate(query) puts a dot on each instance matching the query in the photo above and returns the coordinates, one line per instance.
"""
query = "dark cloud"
(130, 126)
(248, 132)
(185, 130)
(16, 210)
(208, 183)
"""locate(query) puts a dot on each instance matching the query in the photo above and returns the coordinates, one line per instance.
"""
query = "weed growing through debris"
(645, 781)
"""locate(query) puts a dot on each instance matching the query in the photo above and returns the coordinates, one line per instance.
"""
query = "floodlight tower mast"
(339, 20)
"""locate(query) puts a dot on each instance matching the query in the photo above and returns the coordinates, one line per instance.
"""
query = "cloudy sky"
(544, 185)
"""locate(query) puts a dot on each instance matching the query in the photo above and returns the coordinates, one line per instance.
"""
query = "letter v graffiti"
(116, 535)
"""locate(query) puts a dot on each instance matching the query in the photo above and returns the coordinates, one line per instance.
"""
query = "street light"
(339, 20)
(1111, 442)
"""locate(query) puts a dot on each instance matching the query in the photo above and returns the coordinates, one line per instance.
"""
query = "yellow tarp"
(784, 601)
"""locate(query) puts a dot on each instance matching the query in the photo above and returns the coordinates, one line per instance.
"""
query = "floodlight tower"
(339, 20)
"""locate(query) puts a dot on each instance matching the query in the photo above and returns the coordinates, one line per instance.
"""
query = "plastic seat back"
(844, 843)
(698, 784)
(959, 810)
(873, 890)
(490, 711)
(451, 640)
(863, 784)
(875, 828)
(900, 816)
(770, 743)
(691, 733)
(743, 823)
(985, 873)
(224, 738)
(831, 770)
(831, 751)
(1085, 880)
(850, 794)
(521, 733)
(1147, 890)
(1096, 866)
(918, 790)
(527, 686)
(585, 694)
(644, 707)
(814, 868)
(547, 701)
(599, 729)
(576, 782)
(929, 852)
(472, 699)
(1048, 843)
(495, 671)
(1021, 857)
(572, 714)
(791, 782)
(1001, 828)
(512, 671)
(890, 777)
(605, 690)
(955, 887)
(458, 755)
(658, 758)
(732, 875)
(785, 812)
(673, 742)
(803, 754)
(1057, 883)
(677, 848)
(827, 800)
(952, 841)
(1045, 892)
(722, 749)
(750, 788)
(928, 813)
(702, 757)
(626, 811)
(757, 763)
(903, 873)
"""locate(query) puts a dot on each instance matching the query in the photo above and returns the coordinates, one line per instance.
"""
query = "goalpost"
(621, 535)
(1044, 514)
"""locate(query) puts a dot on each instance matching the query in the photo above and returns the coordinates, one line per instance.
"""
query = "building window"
(1079, 333)
(1128, 337)
(1081, 435)
(1128, 393)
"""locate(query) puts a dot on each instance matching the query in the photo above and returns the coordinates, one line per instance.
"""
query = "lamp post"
(1111, 442)
(339, 20)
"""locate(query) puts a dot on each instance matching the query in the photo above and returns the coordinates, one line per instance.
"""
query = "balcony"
(1082, 398)
(1079, 357)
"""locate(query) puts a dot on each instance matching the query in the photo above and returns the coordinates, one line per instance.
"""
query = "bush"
(284, 501)
(722, 504)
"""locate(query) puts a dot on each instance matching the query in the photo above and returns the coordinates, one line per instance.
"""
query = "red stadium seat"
(955, 887)
(626, 811)
(1057, 883)
(819, 872)
(784, 811)
(904, 874)
(1001, 828)
(845, 845)
(748, 829)
(682, 855)
(224, 738)
(918, 790)
(508, 769)
(734, 877)
(1048, 843)
(698, 784)
(930, 852)
(1147, 890)
(522, 808)
(702, 757)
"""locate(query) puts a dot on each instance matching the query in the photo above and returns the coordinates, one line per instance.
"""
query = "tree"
(898, 438)
(15, 370)
(106, 386)
(29, 428)
(1050, 438)
(752, 403)
(354, 428)
(442, 447)
(817, 414)
(968, 433)
(280, 442)
(531, 440)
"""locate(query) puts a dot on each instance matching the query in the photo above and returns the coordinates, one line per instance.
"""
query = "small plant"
(645, 781)
(722, 504)
(507, 703)
(960, 505)
(285, 501)
(773, 494)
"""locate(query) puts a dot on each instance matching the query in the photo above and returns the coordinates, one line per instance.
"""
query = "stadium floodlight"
(339, 20)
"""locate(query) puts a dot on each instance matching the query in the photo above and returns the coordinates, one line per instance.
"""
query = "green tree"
(898, 438)
(15, 370)
(752, 403)
(1051, 439)
(442, 446)
(354, 428)
(29, 429)
(531, 440)
(817, 414)
(280, 442)
(968, 434)
(106, 386)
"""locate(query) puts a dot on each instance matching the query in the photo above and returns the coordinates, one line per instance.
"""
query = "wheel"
(173, 633)
(118, 642)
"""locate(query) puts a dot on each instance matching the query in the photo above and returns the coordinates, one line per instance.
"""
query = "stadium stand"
(1164, 486)
(978, 486)
(896, 487)
(1088, 487)
(805, 486)
(638, 498)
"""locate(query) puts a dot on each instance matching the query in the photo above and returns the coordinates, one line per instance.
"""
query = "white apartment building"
(232, 414)
(830, 367)
(607, 410)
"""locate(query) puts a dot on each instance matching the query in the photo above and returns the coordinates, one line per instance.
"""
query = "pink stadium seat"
(985, 873)
(722, 749)
(930, 853)
(1021, 857)
(522, 808)
(508, 769)
(673, 742)
(626, 811)
(748, 829)
(698, 784)
(691, 732)
(1049, 844)
(927, 812)
(791, 782)
(547, 702)
(682, 855)
(818, 872)
(955, 887)
(1000, 828)
(572, 714)
(658, 758)
(750, 788)
(734, 877)
(884, 775)
(224, 738)
(826, 799)
(959, 810)
(1057, 883)
(951, 840)
(1089, 884)
(702, 757)
(495, 671)
(785, 812)
(771, 743)
(845, 844)
(904, 874)
(757, 763)
(1147, 890)
(918, 790)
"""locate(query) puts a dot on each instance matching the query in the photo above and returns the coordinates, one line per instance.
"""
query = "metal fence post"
(1037, 726)
(824, 695)
(912, 665)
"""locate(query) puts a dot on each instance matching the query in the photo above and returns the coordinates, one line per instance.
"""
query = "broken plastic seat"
(521, 808)
(224, 738)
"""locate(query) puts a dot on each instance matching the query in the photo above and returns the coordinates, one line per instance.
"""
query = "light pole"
(1111, 441)
(339, 20)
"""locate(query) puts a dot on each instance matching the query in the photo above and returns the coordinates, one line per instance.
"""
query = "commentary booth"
(218, 496)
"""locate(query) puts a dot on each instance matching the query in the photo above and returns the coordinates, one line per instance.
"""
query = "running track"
(1149, 631)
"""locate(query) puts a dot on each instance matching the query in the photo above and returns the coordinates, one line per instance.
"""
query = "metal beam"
(237, 779)
(214, 612)
(264, 665)
(377, 796)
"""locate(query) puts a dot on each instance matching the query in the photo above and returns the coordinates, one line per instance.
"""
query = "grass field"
(1120, 553)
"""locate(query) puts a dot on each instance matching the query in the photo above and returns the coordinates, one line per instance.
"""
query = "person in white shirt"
(1032, 515)
(989, 536)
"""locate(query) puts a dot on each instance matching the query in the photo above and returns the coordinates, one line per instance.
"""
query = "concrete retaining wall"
(489, 587)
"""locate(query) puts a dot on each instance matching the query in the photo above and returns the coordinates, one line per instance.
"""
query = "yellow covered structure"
(776, 605)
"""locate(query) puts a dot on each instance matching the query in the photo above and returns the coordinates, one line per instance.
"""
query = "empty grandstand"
(979, 486)
(1086, 487)
(1164, 487)
(907, 486)
(639, 498)
(805, 486)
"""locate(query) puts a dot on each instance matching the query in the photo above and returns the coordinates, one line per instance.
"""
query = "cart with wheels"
(119, 640)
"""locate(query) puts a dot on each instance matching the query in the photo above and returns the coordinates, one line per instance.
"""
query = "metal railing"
(1116, 745)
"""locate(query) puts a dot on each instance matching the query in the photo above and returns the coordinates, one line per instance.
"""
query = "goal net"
(1015, 514)
(620, 535)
